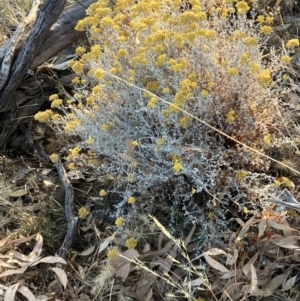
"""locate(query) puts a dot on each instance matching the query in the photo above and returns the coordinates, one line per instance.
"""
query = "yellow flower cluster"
(43, 116)
(71, 125)
(292, 43)
(285, 182)
(73, 153)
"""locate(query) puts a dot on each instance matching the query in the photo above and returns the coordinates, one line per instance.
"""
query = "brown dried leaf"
(246, 227)
(22, 257)
(191, 247)
(231, 259)
(130, 147)
(214, 252)
(166, 263)
(88, 251)
(11, 292)
(289, 283)
(127, 158)
(50, 259)
(7, 265)
(146, 248)
(261, 293)
(262, 227)
(253, 278)
(238, 220)
(279, 226)
(106, 242)
(25, 291)
(215, 264)
(3, 241)
(62, 276)
(141, 288)
(286, 242)
(230, 274)
(18, 193)
(230, 290)
(195, 282)
(12, 272)
(188, 238)
(123, 271)
(148, 296)
(247, 266)
(38, 248)
(21, 240)
(275, 282)
(131, 254)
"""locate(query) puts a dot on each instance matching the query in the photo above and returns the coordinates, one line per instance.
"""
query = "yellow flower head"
(80, 50)
(82, 212)
(131, 200)
(286, 59)
(242, 7)
(230, 116)
(71, 166)
(56, 103)
(89, 141)
(102, 192)
(54, 158)
(104, 127)
(152, 102)
(43, 116)
(266, 29)
(177, 167)
(53, 97)
(131, 243)
(264, 78)
(241, 174)
(292, 43)
(232, 71)
(119, 222)
(113, 254)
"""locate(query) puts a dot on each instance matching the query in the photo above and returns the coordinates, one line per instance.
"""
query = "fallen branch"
(73, 221)
(7, 51)
(47, 16)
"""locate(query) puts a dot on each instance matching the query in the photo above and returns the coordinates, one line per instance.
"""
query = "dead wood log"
(47, 16)
(27, 51)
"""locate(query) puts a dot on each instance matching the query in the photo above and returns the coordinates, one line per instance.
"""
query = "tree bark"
(47, 16)
(21, 95)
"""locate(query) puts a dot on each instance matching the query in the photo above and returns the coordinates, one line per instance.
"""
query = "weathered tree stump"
(48, 29)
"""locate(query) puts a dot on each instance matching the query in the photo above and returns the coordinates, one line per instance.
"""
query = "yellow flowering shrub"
(168, 91)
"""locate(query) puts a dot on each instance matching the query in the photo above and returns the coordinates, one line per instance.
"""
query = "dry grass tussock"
(193, 158)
